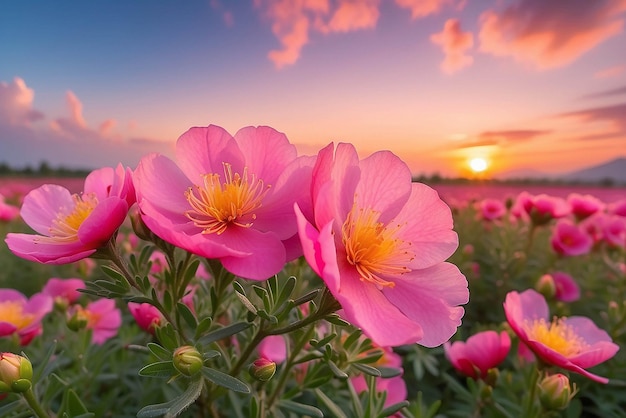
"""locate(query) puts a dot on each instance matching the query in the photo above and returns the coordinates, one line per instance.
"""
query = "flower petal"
(430, 297)
(41, 206)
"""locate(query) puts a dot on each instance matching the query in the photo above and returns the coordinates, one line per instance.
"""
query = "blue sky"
(521, 83)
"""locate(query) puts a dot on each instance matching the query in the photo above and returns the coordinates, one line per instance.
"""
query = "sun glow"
(478, 164)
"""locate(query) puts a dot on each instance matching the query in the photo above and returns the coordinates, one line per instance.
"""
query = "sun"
(478, 164)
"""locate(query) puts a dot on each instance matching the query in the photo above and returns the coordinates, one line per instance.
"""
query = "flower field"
(243, 280)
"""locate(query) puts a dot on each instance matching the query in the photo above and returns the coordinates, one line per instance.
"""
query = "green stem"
(529, 406)
(34, 404)
(300, 343)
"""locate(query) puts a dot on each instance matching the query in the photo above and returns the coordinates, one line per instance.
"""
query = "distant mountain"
(612, 171)
(524, 174)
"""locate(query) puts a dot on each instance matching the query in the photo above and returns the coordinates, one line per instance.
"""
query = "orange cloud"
(422, 8)
(16, 103)
(549, 34)
(454, 43)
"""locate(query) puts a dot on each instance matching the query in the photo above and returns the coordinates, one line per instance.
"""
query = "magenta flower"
(566, 288)
(614, 231)
(619, 208)
(21, 315)
(63, 291)
(583, 206)
(147, 316)
(543, 208)
(73, 227)
(102, 318)
(492, 209)
(569, 240)
(572, 343)
(481, 352)
(229, 198)
(8, 212)
(379, 243)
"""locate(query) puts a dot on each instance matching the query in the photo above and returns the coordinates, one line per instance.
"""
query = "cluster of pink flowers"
(248, 200)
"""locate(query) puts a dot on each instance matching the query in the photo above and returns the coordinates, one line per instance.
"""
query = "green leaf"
(160, 352)
(163, 369)
(287, 289)
(392, 409)
(72, 406)
(116, 275)
(176, 406)
(187, 315)
(167, 337)
(336, 370)
(300, 409)
(225, 380)
(336, 320)
(203, 326)
(352, 338)
(369, 370)
(334, 409)
(224, 332)
(246, 302)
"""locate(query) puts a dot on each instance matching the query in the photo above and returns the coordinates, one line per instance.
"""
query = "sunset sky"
(524, 84)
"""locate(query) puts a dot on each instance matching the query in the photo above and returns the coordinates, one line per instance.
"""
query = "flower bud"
(78, 319)
(262, 369)
(188, 360)
(555, 392)
(546, 286)
(16, 373)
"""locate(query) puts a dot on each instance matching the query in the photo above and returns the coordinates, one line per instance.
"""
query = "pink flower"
(379, 243)
(73, 227)
(614, 231)
(583, 206)
(8, 212)
(619, 208)
(64, 291)
(570, 240)
(543, 208)
(567, 290)
(274, 348)
(103, 319)
(572, 343)
(394, 386)
(147, 316)
(492, 209)
(229, 198)
(21, 315)
(481, 352)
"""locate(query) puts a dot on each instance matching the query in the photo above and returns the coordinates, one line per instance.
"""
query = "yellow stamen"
(65, 226)
(371, 246)
(556, 335)
(13, 313)
(216, 205)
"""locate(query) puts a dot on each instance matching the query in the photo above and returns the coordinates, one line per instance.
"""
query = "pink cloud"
(228, 18)
(353, 15)
(293, 21)
(76, 109)
(548, 34)
(16, 103)
(610, 72)
(107, 126)
(614, 116)
(455, 44)
(422, 8)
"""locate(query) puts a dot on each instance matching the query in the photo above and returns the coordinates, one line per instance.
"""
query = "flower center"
(556, 335)
(216, 205)
(65, 226)
(13, 313)
(372, 248)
